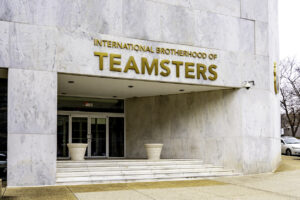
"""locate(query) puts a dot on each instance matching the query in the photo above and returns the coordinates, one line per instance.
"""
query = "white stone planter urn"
(77, 150)
(153, 151)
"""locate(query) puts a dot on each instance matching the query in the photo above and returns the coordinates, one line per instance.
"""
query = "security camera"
(248, 84)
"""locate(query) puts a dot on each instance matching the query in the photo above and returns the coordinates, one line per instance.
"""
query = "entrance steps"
(127, 170)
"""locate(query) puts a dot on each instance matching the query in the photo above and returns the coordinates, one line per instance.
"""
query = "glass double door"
(104, 135)
(91, 131)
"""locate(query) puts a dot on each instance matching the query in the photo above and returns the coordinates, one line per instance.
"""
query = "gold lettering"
(188, 70)
(151, 50)
(201, 71)
(113, 62)
(165, 67)
(145, 64)
(136, 47)
(167, 51)
(177, 64)
(130, 46)
(212, 56)
(97, 42)
(157, 50)
(148, 49)
(214, 73)
(109, 44)
(103, 41)
(101, 55)
(120, 45)
(131, 64)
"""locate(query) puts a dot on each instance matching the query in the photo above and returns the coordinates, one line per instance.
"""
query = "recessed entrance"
(96, 122)
(103, 132)
(91, 111)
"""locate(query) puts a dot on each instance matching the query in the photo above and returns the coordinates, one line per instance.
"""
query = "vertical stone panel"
(260, 112)
(141, 19)
(261, 38)
(32, 47)
(255, 10)
(32, 121)
(178, 25)
(229, 7)
(4, 44)
(224, 32)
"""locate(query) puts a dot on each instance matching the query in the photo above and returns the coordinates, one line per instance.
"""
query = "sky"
(289, 28)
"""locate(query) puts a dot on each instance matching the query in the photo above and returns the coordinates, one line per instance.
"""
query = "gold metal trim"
(276, 81)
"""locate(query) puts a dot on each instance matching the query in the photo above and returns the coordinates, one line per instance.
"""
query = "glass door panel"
(116, 137)
(79, 129)
(102, 135)
(98, 137)
(62, 135)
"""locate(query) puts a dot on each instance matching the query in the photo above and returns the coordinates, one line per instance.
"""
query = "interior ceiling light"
(71, 82)
(114, 96)
(130, 86)
(63, 93)
(181, 90)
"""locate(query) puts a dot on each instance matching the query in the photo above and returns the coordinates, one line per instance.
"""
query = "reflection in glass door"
(103, 134)
(98, 137)
(62, 135)
(79, 130)
(116, 137)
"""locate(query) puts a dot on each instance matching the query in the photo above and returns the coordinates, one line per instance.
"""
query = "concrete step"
(132, 181)
(118, 171)
(132, 163)
(125, 160)
(124, 168)
(128, 178)
(137, 172)
(132, 168)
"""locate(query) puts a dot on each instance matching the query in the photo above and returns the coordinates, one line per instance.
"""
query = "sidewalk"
(284, 184)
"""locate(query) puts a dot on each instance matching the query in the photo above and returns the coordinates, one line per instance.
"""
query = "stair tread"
(128, 164)
(142, 177)
(134, 173)
(113, 171)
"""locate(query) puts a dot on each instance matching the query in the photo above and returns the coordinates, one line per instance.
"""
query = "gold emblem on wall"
(276, 80)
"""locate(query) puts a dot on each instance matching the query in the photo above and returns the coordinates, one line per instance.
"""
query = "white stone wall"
(239, 129)
(32, 110)
(45, 37)
(219, 127)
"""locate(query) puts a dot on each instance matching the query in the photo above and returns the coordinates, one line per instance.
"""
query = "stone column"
(32, 119)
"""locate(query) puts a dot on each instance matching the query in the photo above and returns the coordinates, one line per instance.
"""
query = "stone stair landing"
(127, 170)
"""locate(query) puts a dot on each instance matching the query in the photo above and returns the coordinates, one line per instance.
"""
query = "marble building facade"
(220, 122)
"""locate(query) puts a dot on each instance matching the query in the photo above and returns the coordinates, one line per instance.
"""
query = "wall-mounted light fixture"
(248, 84)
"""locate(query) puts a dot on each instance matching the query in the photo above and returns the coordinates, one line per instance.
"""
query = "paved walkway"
(284, 184)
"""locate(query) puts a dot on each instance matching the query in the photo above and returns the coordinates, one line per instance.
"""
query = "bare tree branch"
(290, 93)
